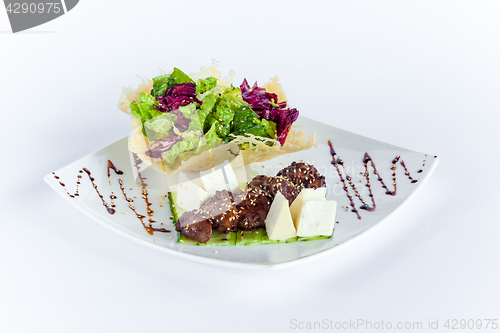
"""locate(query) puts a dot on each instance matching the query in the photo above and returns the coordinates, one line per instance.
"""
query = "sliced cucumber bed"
(241, 237)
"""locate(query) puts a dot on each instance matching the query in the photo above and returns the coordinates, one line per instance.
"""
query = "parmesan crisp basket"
(261, 149)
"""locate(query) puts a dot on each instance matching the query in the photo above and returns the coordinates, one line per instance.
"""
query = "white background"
(424, 75)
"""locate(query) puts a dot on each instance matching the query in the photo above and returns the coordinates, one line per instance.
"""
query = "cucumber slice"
(265, 240)
(184, 240)
(221, 239)
(253, 237)
(217, 239)
(174, 208)
(312, 238)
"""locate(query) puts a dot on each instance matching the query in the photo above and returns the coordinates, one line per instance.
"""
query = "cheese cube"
(232, 182)
(279, 223)
(213, 181)
(305, 195)
(190, 196)
(316, 217)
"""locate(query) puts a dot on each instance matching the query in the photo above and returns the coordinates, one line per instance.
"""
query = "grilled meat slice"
(303, 175)
(222, 210)
(253, 205)
(283, 185)
(260, 184)
(254, 202)
(195, 224)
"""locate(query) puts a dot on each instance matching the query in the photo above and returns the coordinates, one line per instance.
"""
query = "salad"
(181, 117)
(178, 117)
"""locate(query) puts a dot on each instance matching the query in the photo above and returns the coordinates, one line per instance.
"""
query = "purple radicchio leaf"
(177, 96)
(284, 119)
(266, 105)
(182, 123)
(258, 98)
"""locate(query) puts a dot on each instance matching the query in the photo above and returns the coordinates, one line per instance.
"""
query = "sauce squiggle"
(347, 182)
(111, 205)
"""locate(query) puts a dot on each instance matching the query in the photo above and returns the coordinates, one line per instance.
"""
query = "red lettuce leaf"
(284, 118)
(177, 96)
(266, 105)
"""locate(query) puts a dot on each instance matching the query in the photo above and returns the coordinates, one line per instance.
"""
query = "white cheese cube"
(232, 182)
(279, 223)
(305, 195)
(190, 196)
(316, 217)
(213, 181)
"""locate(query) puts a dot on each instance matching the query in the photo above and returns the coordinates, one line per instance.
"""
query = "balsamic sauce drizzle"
(110, 206)
(118, 172)
(149, 228)
(338, 163)
(423, 164)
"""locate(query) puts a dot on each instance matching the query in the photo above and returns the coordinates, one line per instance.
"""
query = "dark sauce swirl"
(339, 164)
(110, 206)
(142, 181)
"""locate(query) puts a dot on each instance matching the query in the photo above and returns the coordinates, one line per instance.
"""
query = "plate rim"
(233, 264)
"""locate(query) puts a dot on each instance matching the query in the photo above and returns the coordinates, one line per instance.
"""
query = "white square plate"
(350, 147)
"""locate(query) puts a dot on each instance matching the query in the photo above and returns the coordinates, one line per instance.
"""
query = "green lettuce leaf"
(246, 121)
(163, 82)
(144, 109)
(204, 85)
(189, 110)
(205, 109)
(212, 137)
(216, 91)
(160, 127)
(269, 127)
(173, 156)
(189, 134)
(180, 77)
(228, 101)
(244, 118)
